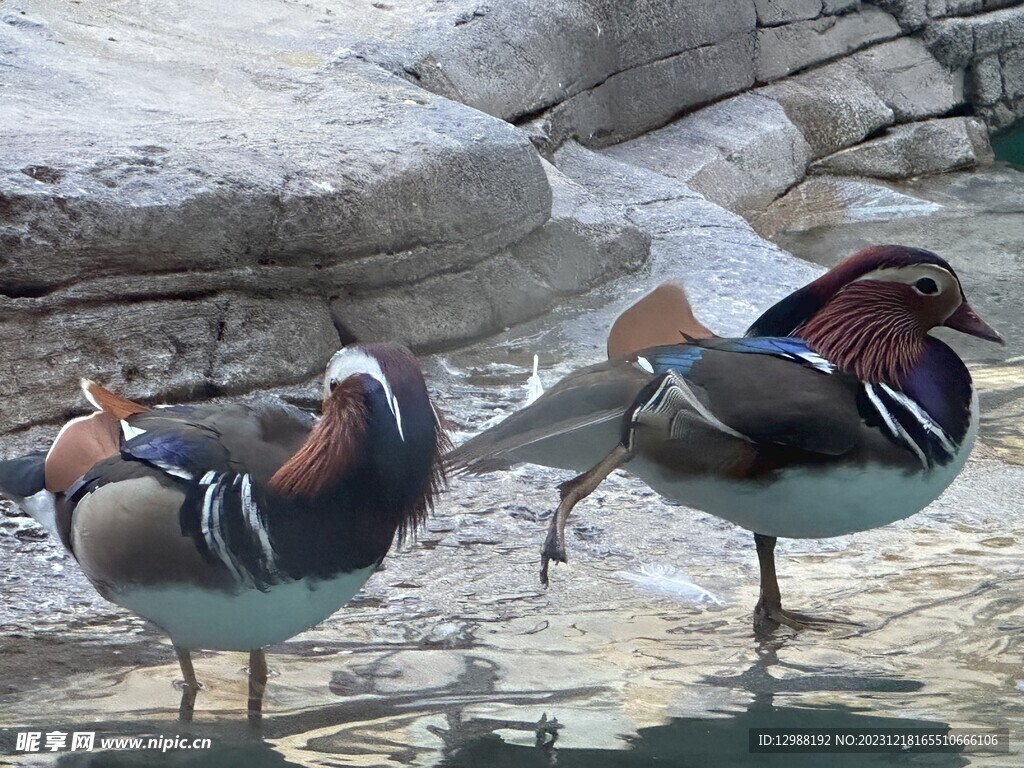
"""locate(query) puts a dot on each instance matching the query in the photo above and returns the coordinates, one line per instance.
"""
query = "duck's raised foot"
(554, 550)
(572, 492)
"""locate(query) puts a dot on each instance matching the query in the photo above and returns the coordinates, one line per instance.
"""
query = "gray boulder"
(966, 7)
(771, 13)
(740, 153)
(912, 15)
(835, 7)
(194, 194)
(583, 244)
(643, 98)
(985, 78)
(914, 149)
(1013, 73)
(519, 57)
(909, 79)
(786, 49)
(957, 41)
(833, 106)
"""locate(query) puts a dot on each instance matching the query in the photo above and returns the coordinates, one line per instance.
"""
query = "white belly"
(811, 504)
(213, 619)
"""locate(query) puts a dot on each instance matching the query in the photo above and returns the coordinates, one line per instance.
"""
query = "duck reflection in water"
(380, 726)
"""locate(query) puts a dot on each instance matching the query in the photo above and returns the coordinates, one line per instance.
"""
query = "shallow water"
(1009, 146)
(454, 655)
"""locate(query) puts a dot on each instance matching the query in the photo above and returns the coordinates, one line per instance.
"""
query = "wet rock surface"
(738, 153)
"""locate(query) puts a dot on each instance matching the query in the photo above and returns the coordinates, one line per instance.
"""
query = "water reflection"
(758, 680)
(375, 731)
(1009, 145)
(369, 727)
(723, 740)
(699, 742)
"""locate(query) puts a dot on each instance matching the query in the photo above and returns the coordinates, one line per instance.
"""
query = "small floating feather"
(671, 582)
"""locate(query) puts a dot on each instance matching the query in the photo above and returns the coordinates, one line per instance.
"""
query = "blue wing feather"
(190, 450)
(680, 358)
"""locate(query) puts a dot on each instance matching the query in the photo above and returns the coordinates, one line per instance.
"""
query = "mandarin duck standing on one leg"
(838, 412)
(232, 527)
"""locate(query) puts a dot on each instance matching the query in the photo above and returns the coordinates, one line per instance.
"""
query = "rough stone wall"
(603, 72)
(989, 45)
(740, 100)
(984, 38)
(195, 202)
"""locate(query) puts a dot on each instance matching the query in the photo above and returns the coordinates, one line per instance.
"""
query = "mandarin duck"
(836, 412)
(235, 526)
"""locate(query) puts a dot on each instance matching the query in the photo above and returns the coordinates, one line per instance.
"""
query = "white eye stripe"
(909, 275)
(349, 362)
(393, 403)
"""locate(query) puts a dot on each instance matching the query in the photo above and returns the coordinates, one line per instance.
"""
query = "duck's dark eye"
(926, 286)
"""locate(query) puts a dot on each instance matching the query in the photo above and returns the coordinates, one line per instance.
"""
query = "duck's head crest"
(871, 313)
(377, 419)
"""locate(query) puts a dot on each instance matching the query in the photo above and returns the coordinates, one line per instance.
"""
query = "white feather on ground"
(671, 582)
(534, 387)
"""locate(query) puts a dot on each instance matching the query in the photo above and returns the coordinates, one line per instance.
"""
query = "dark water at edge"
(1009, 145)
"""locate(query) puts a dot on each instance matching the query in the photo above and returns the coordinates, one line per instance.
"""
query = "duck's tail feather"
(110, 402)
(23, 481)
(663, 316)
(571, 426)
(23, 476)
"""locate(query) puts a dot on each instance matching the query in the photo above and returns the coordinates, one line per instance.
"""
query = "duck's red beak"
(966, 320)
